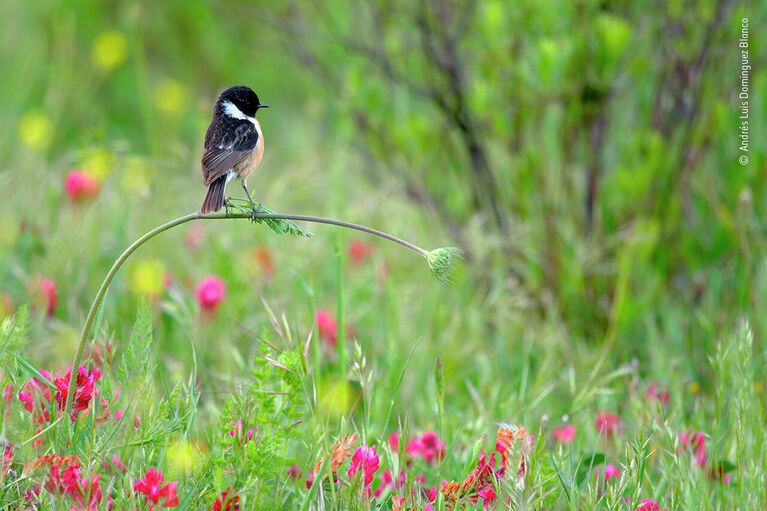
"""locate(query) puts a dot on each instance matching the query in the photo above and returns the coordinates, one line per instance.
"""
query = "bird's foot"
(227, 204)
(254, 210)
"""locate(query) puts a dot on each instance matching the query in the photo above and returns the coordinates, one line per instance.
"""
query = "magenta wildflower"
(153, 489)
(365, 459)
(608, 423)
(648, 505)
(564, 434)
(427, 446)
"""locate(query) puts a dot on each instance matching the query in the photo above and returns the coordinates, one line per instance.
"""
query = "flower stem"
(92, 312)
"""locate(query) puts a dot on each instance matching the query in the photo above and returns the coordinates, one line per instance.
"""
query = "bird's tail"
(215, 198)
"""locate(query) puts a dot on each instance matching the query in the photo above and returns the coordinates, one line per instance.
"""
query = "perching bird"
(234, 144)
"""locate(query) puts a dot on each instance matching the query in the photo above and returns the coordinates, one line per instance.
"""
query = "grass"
(237, 397)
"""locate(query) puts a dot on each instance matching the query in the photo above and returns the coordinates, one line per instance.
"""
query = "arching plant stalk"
(440, 261)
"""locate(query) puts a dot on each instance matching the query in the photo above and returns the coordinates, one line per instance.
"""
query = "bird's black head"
(243, 98)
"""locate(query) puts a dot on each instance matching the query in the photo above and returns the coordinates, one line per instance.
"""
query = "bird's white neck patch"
(231, 110)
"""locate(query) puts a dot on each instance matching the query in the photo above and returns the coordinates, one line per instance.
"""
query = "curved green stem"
(182, 220)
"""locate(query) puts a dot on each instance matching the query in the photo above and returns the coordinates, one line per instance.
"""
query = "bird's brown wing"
(225, 147)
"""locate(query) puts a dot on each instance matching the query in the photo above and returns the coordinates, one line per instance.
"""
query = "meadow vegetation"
(600, 347)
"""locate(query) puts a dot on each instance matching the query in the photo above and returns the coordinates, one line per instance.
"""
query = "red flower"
(228, 501)
(150, 486)
(428, 446)
(327, 326)
(294, 472)
(84, 389)
(210, 293)
(359, 251)
(564, 434)
(80, 185)
(366, 459)
(608, 423)
(45, 294)
(648, 505)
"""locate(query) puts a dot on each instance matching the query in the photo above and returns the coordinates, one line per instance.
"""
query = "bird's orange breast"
(249, 164)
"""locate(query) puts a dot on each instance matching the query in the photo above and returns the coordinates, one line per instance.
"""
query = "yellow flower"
(182, 459)
(109, 50)
(693, 387)
(171, 97)
(98, 162)
(337, 398)
(147, 278)
(136, 176)
(35, 130)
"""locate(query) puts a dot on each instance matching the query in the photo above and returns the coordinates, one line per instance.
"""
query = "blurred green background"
(583, 154)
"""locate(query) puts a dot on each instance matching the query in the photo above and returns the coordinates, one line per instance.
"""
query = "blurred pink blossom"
(211, 291)
(80, 185)
(564, 434)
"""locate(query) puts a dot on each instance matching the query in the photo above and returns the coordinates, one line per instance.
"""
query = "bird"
(234, 145)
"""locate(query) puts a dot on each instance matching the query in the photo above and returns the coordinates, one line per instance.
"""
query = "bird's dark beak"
(261, 105)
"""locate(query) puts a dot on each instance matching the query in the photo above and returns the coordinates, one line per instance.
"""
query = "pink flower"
(150, 486)
(697, 443)
(8, 393)
(45, 294)
(648, 505)
(608, 423)
(194, 236)
(36, 396)
(427, 446)
(237, 433)
(327, 326)
(564, 434)
(309, 479)
(80, 186)
(394, 441)
(488, 495)
(294, 472)
(654, 394)
(365, 459)
(6, 461)
(610, 472)
(84, 490)
(210, 293)
(116, 463)
(359, 251)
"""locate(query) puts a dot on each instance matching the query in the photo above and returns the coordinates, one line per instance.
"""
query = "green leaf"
(138, 362)
(278, 225)
(587, 464)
